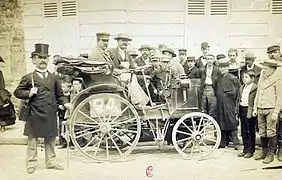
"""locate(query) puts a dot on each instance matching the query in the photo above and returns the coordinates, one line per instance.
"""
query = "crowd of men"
(228, 92)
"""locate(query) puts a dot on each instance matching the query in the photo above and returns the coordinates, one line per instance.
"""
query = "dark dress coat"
(42, 120)
(203, 73)
(251, 99)
(256, 69)
(227, 94)
(117, 59)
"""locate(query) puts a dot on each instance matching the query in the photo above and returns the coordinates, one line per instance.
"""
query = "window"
(69, 8)
(50, 10)
(196, 7)
(218, 7)
(276, 6)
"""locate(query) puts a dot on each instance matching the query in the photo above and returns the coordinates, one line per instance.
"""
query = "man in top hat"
(182, 56)
(99, 52)
(201, 61)
(250, 65)
(44, 92)
(267, 106)
(174, 63)
(227, 90)
(190, 69)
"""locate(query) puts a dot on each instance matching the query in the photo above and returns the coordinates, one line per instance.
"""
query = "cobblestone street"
(167, 164)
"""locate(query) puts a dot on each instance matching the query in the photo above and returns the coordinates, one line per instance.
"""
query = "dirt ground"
(167, 164)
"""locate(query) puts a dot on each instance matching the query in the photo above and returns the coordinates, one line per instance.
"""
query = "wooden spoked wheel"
(196, 135)
(108, 125)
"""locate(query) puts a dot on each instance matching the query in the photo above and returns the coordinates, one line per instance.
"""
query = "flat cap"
(103, 35)
(191, 58)
(182, 51)
(171, 51)
(123, 36)
(220, 56)
(204, 45)
(224, 62)
(270, 63)
(273, 48)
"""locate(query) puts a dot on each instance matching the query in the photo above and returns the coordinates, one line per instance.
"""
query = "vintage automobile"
(111, 125)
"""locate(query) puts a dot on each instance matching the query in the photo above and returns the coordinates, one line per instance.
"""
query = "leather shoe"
(248, 155)
(56, 167)
(30, 170)
(63, 146)
(241, 154)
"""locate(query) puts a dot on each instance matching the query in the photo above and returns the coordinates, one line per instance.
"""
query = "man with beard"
(145, 56)
(44, 92)
(227, 90)
(250, 65)
(201, 61)
(174, 63)
(121, 63)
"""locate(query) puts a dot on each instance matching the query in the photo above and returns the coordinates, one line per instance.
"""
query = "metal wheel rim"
(106, 136)
(195, 144)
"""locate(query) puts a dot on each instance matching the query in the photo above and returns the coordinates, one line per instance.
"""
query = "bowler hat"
(103, 35)
(204, 45)
(41, 50)
(224, 62)
(249, 55)
(145, 47)
(191, 58)
(1, 59)
(123, 36)
(171, 51)
(273, 48)
(271, 63)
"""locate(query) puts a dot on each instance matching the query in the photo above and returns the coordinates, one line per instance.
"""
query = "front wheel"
(196, 135)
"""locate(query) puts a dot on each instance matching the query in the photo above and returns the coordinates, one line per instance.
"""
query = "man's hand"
(33, 91)
(68, 106)
(61, 107)
(274, 116)
(255, 113)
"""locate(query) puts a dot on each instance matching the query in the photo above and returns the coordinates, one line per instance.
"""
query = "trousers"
(267, 126)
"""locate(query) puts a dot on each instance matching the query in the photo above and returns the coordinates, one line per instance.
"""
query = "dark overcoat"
(227, 95)
(191, 73)
(42, 120)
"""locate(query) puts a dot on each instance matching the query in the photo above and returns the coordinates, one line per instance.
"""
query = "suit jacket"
(256, 69)
(117, 59)
(202, 74)
(269, 93)
(42, 119)
(251, 99)
(98, 54)
(191, 73)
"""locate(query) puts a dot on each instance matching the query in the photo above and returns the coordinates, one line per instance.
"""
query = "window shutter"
(219, 7)
(69, 8)
(276, 6)
(50, 10)
(196, 7)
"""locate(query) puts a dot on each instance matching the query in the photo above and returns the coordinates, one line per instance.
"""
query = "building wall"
(242, 24)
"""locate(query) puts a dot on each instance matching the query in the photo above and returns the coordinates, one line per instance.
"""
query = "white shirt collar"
(42, 71)
(252, 67)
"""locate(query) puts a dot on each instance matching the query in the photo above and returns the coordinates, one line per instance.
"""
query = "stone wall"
(12, 42)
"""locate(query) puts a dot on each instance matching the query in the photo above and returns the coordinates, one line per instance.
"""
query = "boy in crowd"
(190, 69)
(248, 122)
(268, 103)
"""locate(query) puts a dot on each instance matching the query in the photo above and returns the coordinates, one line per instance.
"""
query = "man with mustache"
(99, 52)
(250, 65)
(43, 91)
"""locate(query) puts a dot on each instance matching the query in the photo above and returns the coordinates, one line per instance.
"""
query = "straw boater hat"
(270, 63)
(41, 50)
(273, 48)
(171, 51)
(123, 36)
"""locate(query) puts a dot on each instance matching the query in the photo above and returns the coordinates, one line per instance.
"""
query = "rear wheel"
(108, 124)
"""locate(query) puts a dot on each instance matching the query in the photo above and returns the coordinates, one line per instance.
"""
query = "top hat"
(171, 51)
(145, 47)
(204, 45)
(1, 59)
(271, 63)
(41, 50)
(191, 58)
(103, 35)
(249, 55)
(273, 48)
(123, 36)
(182, 51)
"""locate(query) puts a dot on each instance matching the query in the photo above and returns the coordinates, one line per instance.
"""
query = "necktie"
(43, 75)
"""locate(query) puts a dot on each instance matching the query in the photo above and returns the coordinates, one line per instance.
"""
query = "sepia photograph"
(140, 89)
